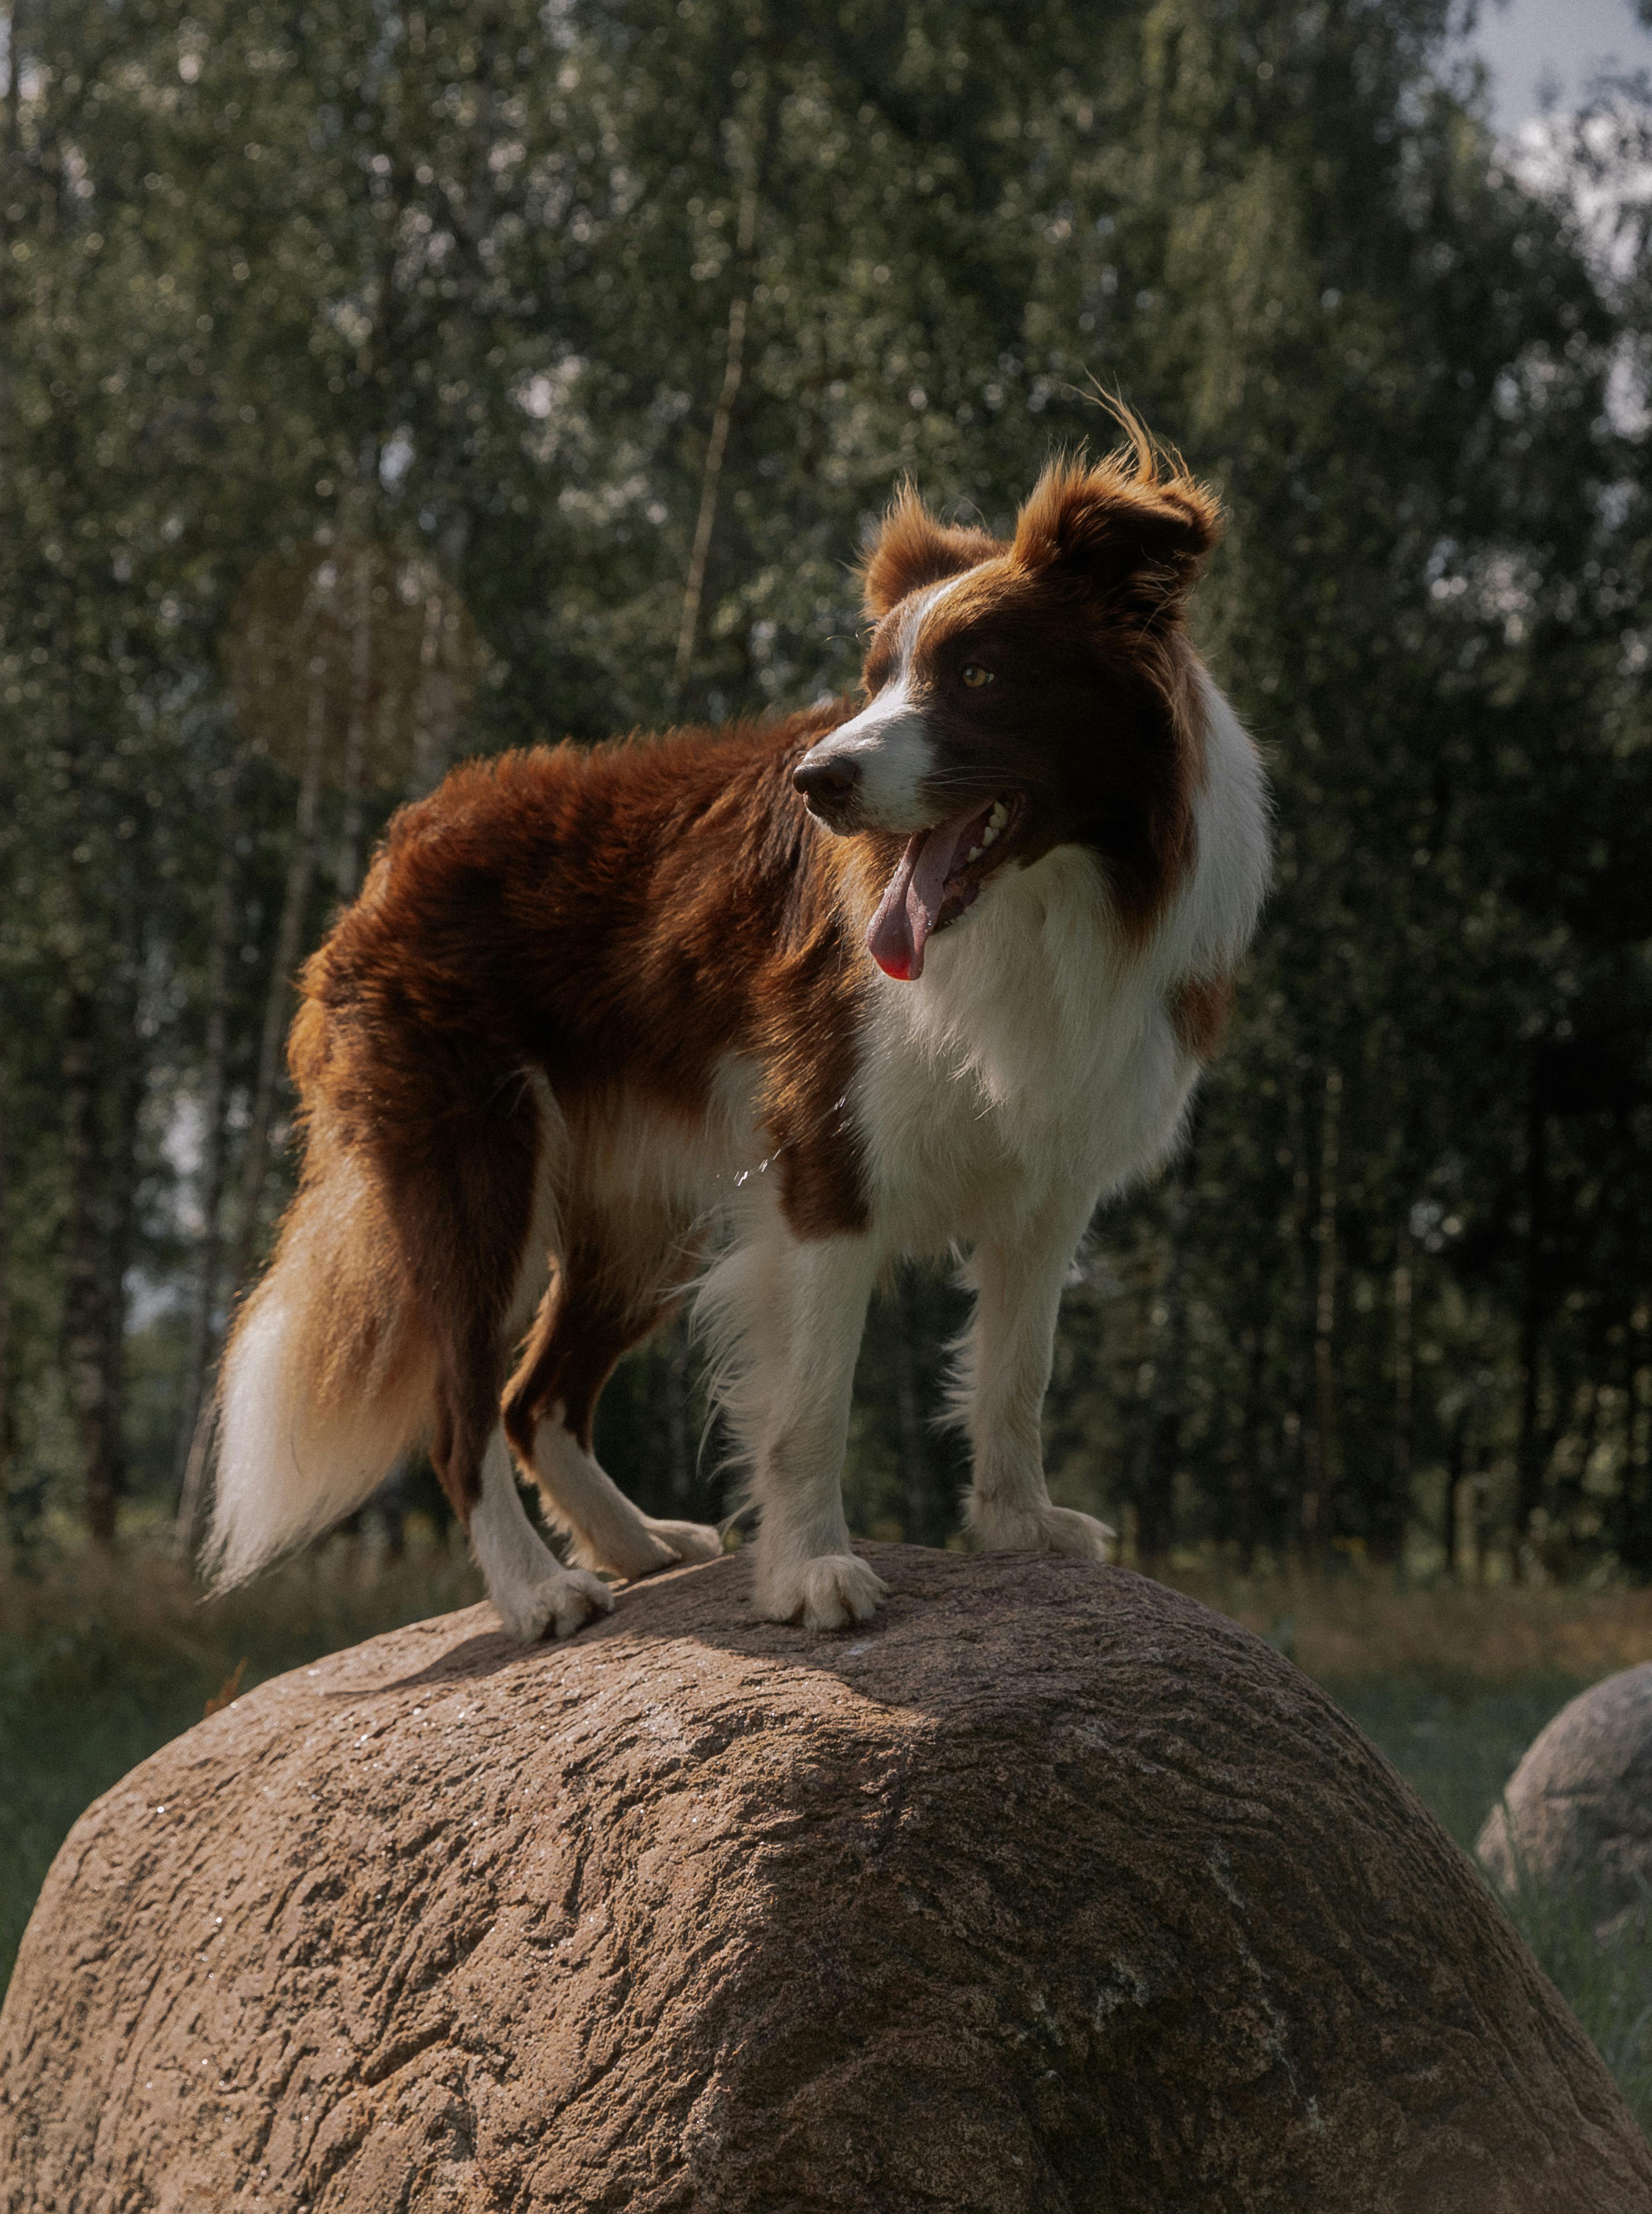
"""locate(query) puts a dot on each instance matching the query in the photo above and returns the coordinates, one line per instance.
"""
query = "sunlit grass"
(101, 1662)
(1356, 1623)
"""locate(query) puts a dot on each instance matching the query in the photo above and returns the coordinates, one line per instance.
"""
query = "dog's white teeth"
(974, 852)
(998, 818)
(987, 835)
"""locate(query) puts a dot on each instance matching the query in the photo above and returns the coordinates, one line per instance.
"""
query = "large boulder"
(1048, 1890)
(1576, 1816)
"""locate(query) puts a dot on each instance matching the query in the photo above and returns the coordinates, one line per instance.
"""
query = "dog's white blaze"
(888, 740)
(890, 746)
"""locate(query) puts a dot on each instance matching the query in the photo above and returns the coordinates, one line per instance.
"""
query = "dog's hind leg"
(466, 1236)
(999, 1394)
(605, 1296)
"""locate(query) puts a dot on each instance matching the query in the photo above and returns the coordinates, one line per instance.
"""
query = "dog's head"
(1025, 694)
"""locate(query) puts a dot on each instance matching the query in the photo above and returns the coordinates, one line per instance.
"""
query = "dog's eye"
(974, 676)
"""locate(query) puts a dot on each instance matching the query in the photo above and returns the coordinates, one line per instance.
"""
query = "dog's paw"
(631, 1551)
(690, 1541)
(553, 1604)
(1044, 1529)
(644, 1549)
(833, 1591)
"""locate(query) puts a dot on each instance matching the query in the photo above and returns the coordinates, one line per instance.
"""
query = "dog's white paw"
(833, 1591)
(553, 1604)
(631, 1551)
(646, 1547)
(690, 1541)
(1043, 1529)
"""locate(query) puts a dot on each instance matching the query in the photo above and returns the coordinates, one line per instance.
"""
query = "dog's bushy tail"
(329, 1374)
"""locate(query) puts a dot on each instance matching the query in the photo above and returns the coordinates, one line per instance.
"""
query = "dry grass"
(101, 1661)
(1356, 1624)
(152, 1605)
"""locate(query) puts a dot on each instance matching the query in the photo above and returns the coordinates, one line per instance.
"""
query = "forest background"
(380, 386)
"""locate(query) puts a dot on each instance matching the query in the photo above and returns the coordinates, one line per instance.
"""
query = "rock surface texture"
(1048, 1890)
(1577, 1813)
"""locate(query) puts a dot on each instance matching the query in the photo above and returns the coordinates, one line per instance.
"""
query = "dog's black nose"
(827, 781)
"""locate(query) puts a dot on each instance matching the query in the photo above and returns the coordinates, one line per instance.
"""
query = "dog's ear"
(1140, 533)
(913, 549)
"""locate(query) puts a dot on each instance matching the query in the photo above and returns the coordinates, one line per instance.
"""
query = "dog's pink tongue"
(906, 914)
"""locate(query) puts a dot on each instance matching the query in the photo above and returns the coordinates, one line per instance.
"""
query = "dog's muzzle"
(828, 782)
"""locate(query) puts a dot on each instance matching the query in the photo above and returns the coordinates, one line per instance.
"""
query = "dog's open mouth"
(938, 878)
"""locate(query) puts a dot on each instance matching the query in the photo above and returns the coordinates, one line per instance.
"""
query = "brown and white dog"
(597, 1016)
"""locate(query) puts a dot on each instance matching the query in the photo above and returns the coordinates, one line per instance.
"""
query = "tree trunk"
(355, 742)
(1461, 1552)
(711, 475)
(1404, 1371)
(734, 350)
(1254, 1342)
(301, 871)
(433, 716)
(1568, 1500)
(1318, 1502)
(100, 1166)
(82, 1334)
(106, 1480)
(13, 75)
(5, 1319)
(191, 1461)
(1529, 1455)
(1635, 1488)
(12, 220)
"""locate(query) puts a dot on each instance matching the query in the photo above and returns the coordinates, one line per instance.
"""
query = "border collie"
(756, 1012)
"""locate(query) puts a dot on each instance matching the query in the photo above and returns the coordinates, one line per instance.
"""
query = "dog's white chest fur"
(1031, 1059)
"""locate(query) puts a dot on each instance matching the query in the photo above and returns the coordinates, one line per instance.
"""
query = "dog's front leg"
(799, 1370)
(1003, 1377)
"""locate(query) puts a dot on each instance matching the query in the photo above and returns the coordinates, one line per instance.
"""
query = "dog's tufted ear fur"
(1135, 525)
(912, 549)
